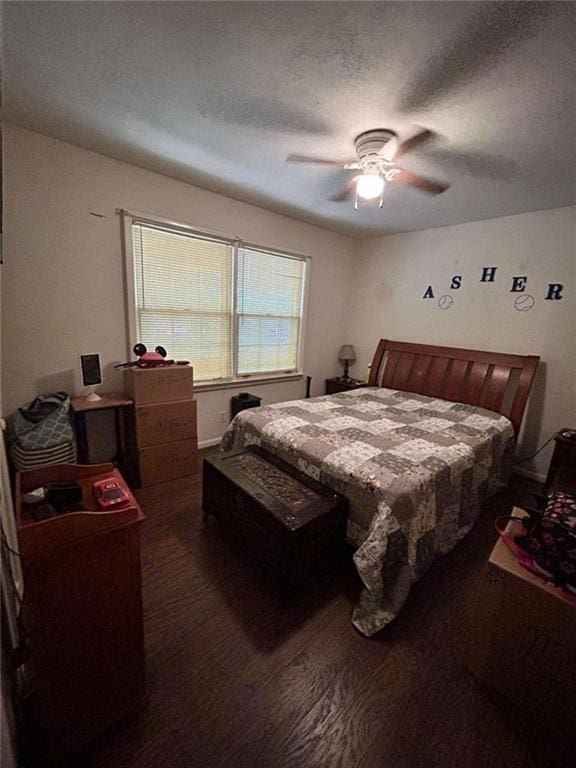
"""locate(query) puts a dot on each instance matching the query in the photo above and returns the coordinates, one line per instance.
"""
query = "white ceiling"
(218, 94)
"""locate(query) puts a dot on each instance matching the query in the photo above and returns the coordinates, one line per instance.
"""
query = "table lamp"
(347, 355)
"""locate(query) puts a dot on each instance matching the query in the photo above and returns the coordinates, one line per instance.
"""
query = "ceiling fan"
(376, 154)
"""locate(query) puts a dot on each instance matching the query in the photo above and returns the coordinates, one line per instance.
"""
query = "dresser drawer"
(165, 422)
(160, 463)
(159, 385)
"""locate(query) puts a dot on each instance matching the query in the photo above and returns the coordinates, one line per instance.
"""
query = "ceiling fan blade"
(346, 193)
(475, 163)
(475, 48)
(261, 112)
(415, 141)
(390, 149)
(426, 185)
(316, 160)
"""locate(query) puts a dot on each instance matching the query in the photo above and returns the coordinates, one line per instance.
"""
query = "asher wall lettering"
(553, 291)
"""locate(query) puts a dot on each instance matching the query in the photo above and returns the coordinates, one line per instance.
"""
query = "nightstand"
(83, 608)
(337, 384)
(515, 641)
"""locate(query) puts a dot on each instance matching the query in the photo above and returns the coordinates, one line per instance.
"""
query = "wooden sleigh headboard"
(492, 380)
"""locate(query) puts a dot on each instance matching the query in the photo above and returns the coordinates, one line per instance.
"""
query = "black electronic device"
(562, 470)
(64, 495)
(91, 371)
(242, 401)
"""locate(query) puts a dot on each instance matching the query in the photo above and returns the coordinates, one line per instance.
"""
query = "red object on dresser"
(82, 609)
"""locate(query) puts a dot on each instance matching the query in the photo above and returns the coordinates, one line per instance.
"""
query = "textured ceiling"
(218, 94)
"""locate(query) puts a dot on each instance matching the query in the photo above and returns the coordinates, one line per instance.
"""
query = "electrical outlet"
(223, 417)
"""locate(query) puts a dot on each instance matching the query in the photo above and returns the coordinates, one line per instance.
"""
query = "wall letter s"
(456, 282)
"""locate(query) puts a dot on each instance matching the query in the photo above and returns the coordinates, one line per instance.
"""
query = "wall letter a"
(429, 293)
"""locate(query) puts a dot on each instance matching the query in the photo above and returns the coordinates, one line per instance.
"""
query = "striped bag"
(43, 434)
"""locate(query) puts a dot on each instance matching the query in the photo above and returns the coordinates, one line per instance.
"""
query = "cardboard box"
(160, 463)
(165, 422)
(522, 641)
(159, 385)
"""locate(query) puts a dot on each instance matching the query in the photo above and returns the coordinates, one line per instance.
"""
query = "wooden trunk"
(290, 524)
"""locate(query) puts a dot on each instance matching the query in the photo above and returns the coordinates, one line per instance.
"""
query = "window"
(269, 309)
(183, 298)
(234, 310)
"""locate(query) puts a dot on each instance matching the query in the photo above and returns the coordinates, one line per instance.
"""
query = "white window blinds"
(269, 309)
(233, 310)
(183, 298)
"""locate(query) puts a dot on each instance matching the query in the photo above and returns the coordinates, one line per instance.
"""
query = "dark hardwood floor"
(235, 679)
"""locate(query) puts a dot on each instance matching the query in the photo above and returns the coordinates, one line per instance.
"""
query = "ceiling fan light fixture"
(376, 153)
(370, 186)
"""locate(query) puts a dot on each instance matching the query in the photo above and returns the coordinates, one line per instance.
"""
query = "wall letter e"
(518, 284)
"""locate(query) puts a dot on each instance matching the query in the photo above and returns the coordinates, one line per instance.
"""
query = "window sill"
(241, 383)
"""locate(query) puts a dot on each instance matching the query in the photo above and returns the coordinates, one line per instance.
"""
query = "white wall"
(395, 271)
(63, 282)
(63, 279)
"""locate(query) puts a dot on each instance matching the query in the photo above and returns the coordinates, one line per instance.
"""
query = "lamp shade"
(347, 353)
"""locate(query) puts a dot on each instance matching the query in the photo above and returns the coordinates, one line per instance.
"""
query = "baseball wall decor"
(523, 302)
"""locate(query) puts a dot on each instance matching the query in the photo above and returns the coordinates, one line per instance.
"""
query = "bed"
(416, 453)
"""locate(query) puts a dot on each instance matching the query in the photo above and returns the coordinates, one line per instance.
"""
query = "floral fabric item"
(551, 542)
(414, 469)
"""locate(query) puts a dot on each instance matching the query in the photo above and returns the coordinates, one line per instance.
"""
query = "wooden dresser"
(165, 434)
(82, 610)
(520, 643)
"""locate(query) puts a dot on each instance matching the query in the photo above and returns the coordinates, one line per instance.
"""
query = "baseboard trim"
(209, 443)
(530, 474)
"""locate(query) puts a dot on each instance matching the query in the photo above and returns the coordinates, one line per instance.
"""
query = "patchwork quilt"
(414, 469)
